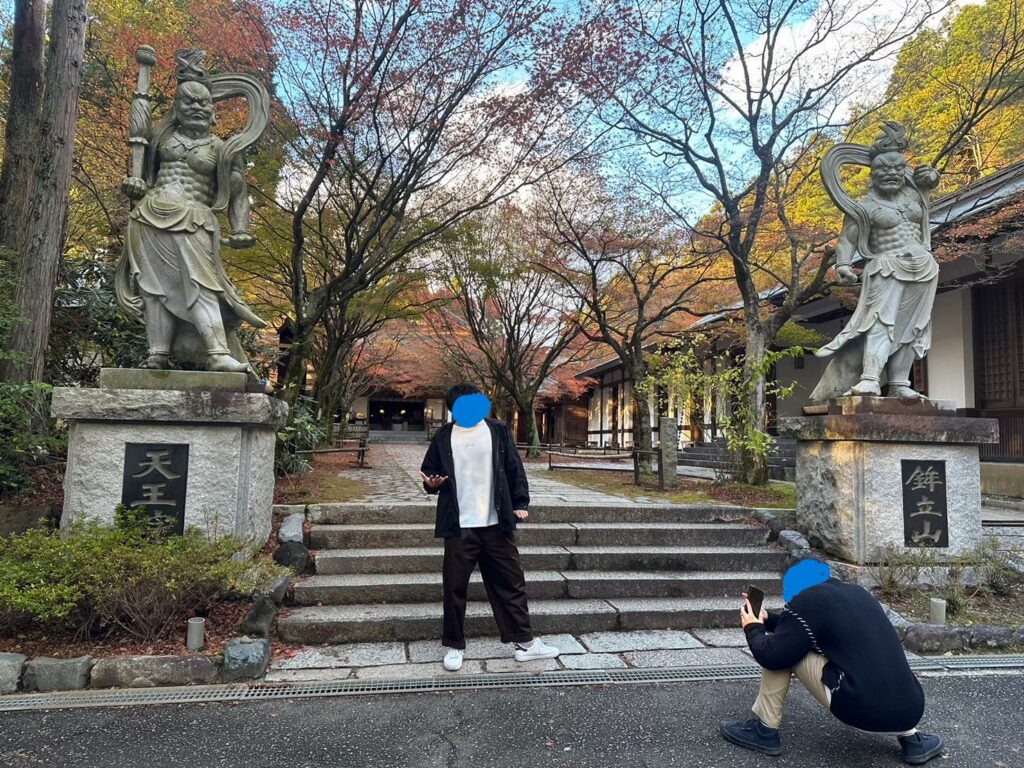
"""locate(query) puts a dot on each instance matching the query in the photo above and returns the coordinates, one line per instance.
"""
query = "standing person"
(837, 640)
(474, 468)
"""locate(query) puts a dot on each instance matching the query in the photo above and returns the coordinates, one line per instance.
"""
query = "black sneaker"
(753, 734)
(920, 748)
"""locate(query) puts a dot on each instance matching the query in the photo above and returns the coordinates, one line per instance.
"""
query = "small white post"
(937, 611)
(195, 637)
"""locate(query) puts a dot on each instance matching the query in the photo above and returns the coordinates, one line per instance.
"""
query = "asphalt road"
(980, 718)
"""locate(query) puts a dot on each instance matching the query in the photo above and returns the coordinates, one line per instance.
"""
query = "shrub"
(1000, 569)
(97, 579)
(303, 432)
(896, 572)
(28, 436)
(983, 568)
(38, 587)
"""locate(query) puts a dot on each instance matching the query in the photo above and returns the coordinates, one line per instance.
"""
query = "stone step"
(548, 534)
(371, 514)
(777, 470)
(580, 558)
(422, 621)
(717, 461)
(354, 589)
(389, 437)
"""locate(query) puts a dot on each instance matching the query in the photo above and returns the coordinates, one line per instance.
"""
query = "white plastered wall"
(951, 359)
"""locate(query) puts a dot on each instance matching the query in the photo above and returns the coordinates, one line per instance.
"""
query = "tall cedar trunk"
(47, 222)
(753, 466)
(527, 412)
(642, 427)
(22, 129)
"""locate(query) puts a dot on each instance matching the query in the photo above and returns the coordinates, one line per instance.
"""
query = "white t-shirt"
(474, 475)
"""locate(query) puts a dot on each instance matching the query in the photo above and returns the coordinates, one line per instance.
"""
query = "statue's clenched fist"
(926, 177)
(134, 188)
(240, 240)
(845, 275)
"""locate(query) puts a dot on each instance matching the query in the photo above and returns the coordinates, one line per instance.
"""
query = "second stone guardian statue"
(171, 277)
(889, 230)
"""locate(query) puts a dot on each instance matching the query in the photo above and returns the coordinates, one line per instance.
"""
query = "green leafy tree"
(89, 329)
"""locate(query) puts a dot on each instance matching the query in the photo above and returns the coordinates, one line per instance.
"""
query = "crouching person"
(837, 640)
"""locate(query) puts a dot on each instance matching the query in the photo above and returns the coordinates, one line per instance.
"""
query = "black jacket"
(511, 491)
(873, 687)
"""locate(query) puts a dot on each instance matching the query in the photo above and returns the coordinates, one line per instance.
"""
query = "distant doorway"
(396, 415)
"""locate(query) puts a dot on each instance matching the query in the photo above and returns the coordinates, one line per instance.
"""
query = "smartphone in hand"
(755, 597)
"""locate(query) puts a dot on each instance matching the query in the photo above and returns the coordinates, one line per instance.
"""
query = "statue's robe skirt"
(173, 253)
(898, 291)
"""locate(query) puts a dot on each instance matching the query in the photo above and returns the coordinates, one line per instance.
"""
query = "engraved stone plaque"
(156, 477)
(925, 519)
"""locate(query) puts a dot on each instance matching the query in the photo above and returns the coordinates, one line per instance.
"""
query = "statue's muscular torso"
(188, 167)
(895, 225)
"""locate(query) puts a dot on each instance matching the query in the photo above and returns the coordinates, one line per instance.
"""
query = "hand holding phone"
(756, 599)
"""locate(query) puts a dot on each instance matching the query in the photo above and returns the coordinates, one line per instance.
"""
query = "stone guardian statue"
(889, 230)
(170, 276)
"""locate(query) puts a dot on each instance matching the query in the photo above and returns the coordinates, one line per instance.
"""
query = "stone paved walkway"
(596, 650)
(644, 649)
(395, 478)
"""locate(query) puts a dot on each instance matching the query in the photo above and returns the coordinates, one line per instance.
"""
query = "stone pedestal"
(194, 446)
(878, 472)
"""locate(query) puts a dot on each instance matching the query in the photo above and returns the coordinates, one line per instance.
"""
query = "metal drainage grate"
(270, 691)
(924, 664)
(686, 674)
(982, 662)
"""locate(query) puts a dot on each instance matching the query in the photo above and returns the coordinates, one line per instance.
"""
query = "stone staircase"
(389, 437)
(715, 455)
(588, 569)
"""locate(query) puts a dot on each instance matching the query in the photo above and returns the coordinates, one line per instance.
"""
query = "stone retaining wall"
(244, 659)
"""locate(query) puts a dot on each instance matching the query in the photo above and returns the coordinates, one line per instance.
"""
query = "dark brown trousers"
(498, 556)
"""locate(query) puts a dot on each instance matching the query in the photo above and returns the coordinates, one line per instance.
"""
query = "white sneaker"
(453, 660)
(536, 650)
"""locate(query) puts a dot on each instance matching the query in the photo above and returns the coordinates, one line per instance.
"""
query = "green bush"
(896, 573)
(985, 568)
(28, 436)
(92, 579)
(302, 433)
(1000, 569)
(89, 330)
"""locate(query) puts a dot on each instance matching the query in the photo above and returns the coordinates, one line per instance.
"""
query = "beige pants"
(771, 698)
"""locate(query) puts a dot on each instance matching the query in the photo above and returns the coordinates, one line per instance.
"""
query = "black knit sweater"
(873, 687)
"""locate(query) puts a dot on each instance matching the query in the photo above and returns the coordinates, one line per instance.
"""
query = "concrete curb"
(20, 674)
(941, 638)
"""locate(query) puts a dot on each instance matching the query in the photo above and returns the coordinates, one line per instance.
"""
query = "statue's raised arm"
(888, 229)
(171, 277)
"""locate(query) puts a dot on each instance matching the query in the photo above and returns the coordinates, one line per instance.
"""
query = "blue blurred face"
(802, 575)
(470, 410)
